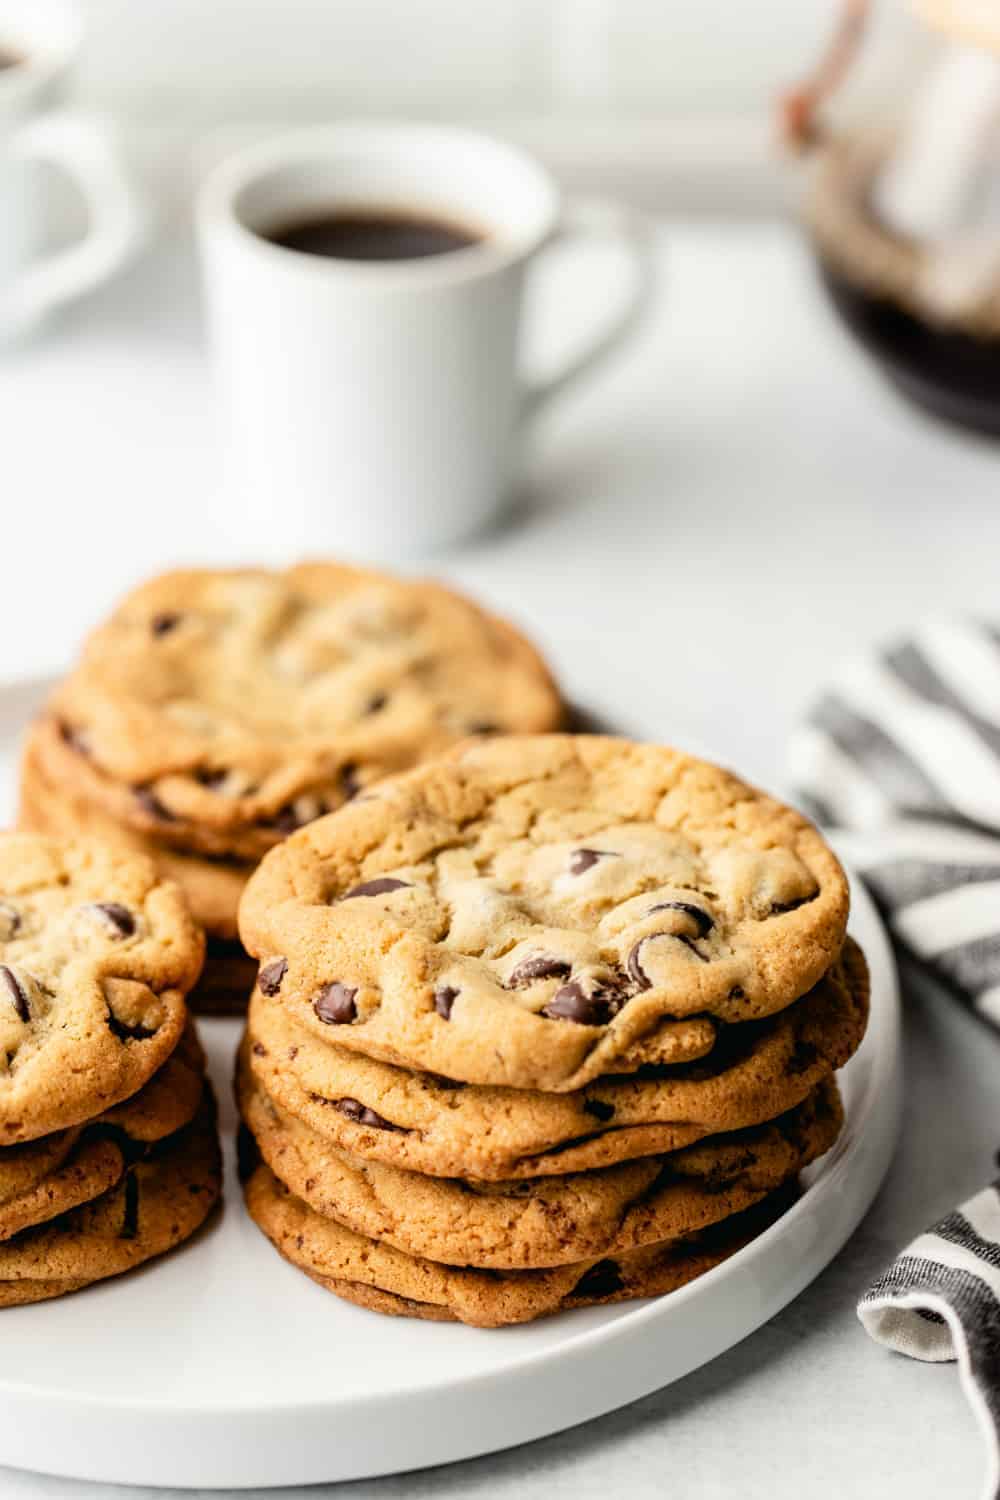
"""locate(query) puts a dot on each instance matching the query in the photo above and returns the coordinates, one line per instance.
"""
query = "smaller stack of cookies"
(552, 1021)
(216, 711)
(109, 1152)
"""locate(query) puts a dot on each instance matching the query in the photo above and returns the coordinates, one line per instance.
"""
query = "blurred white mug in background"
(364, 291)
(39, 42)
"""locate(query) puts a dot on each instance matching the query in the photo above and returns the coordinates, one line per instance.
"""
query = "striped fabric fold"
(940, 1300)
(903, 750)
(901, 755)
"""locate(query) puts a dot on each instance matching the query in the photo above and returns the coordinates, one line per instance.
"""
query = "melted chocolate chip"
(572, 1003)
(377, 703)
(355, 1110)
(76, 739)
(130, 1215)
(737, 993)
(599, 1109)
(444, 998)
(634, 968)
(581, 860)
(125, 1031)
(334, 1005)
(150, 802)
(602, 1280)
(704, 921)
(259, 1050)
(285, 820)
(270, 977)
(11, 986)
(164, 623)
(117, 919)
(349, 783)
(211, 777)
(538, 966)
(379, 887)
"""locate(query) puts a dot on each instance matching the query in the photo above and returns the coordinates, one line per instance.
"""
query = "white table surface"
(705, 529)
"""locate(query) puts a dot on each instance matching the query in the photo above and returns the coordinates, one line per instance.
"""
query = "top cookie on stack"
(536, 912)
(215, 712)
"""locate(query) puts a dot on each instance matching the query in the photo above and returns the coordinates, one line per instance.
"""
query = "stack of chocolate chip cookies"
(549, 1021)
(108, 1147)
(217, 711)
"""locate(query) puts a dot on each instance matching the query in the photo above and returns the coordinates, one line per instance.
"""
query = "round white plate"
(222, 1366)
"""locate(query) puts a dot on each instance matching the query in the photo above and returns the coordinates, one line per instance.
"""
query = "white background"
(704, 531)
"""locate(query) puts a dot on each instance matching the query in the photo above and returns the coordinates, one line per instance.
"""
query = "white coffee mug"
(373, 408)
(39, 42)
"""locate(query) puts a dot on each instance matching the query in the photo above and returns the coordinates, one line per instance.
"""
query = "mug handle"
(118, 221)
(600, 218)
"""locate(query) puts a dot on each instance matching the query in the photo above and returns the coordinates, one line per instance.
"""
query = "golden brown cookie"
(380, 1277)
(514, 1226)
(213, 887)
(536, 912)
(427, 1124)
(42, 1178)
(216, 710)
(96, 956)
(159, 1202)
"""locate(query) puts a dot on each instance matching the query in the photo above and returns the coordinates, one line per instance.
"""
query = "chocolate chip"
(377, 703)
(572, 1003)
(270, 977)
(697, 914)
(117, 919)
(285, 820)
(334, 1005)
(349, 783)
(125, 1031)
(444, 998)
(539, 966)
(211, 777)
(15, 991)
(736, 993)
(163, 623)
(130, 1215)
(259, 1050)
(150, 802)
(602, 1280)
(581, 860)
(76, 739)
(634, 968)
(355, 1110)
(379, 887)
(10, 921)
(599, 1109)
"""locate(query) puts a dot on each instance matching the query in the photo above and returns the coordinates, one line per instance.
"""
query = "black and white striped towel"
(903, 751)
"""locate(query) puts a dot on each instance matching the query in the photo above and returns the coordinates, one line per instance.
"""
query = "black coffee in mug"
(372, 234)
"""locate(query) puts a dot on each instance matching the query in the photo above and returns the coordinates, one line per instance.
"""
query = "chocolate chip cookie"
(216, 710)
(378, 1276)
(159, 1202)
(213, 887)
(424, 1123)
(536, 912)
(97, 954)
(42, 1178)
(514, 1226)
